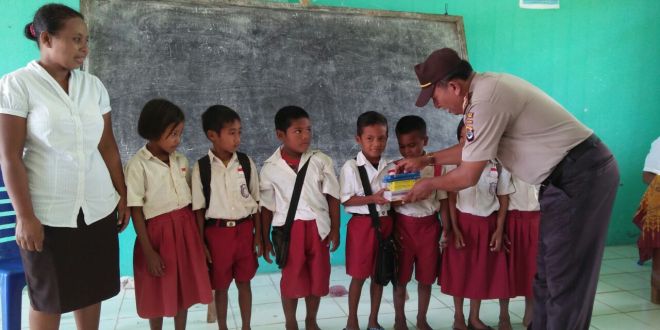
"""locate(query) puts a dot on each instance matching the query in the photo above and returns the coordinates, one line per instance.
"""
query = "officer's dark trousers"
(576, 204)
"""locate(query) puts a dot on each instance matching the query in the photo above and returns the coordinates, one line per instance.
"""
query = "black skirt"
(78, 267)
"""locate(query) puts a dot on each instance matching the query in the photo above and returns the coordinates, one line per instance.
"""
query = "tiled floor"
(622, 302)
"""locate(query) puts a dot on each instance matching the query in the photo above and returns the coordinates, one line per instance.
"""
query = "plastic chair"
(12, 277)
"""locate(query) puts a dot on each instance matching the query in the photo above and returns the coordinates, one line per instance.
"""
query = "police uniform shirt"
(513, 121)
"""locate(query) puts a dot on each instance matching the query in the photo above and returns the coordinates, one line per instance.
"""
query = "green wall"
(596, 57)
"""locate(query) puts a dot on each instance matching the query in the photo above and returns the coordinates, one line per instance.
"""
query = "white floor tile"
(619, 322)
(626, 281)
(626, 302)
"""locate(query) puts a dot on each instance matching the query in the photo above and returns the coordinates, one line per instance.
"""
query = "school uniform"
(419, 229)
(523, 219)
(69, 185)
(229, 226)
(307, 271)
(163, 192)
(474, 271)
(361, 240)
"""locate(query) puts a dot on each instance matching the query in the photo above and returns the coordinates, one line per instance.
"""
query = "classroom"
(338, 59)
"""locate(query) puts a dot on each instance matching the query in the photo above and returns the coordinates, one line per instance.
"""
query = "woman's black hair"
(49, 18)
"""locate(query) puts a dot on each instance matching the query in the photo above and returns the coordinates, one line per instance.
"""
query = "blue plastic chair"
(12, 277)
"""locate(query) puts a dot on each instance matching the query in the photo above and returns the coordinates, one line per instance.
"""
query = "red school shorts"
(232, 254)
(419, 248)
(307, 270)
(361, 244)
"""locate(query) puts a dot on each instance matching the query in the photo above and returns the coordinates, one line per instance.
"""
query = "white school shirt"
(428, 206)
(526, 196)
(65, 169)
(652, 163)
(481, 199)
(351, 185)
(230, 197)
(276, 189)
(155, 186)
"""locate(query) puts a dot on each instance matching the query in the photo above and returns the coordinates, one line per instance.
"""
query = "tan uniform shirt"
(526, 197)
(481, 199)
(155, 186)
(525, 129)
(230, 197)
(276, 184)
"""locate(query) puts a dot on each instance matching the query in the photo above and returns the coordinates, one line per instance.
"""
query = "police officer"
(536, 139)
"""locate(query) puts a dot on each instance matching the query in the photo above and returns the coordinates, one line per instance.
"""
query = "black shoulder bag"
(386, 264)
(281, 235)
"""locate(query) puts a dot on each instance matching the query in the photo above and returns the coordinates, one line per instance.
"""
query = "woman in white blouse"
(63, 173)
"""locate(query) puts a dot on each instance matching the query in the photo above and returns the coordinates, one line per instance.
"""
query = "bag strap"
(204, 164)
(297, 188)
(375, 220)
(247, 168)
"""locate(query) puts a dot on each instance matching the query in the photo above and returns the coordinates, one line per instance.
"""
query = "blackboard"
(255, 58)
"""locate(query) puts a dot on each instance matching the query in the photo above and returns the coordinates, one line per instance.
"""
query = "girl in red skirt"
(168, 259)
(522, 230)
(474, 263)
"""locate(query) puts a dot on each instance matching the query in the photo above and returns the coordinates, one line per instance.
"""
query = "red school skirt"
(185, 282)
(523, 231)
(474, 271)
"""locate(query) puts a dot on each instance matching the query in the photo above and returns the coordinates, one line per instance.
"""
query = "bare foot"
(422, 324)
(400, 324)
(477, 324)
(293, 326)
(459, 323)
(311, 325)
(352, 324)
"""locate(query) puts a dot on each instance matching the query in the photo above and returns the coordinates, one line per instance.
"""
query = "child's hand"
(459, 242)
(155, 264)
(496, 241)
(207, 253)
(378, 197)
(268, 251)
(258, 247)
(333, 240)
(507, 243)
(443, 241)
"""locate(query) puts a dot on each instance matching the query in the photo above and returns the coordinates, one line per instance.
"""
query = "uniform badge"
(244, 191)
(469, 133)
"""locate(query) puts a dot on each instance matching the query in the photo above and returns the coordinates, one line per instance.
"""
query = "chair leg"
(12, 294)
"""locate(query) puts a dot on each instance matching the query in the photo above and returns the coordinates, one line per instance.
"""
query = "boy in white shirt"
(417, 228)
(361, 240)
(315, 227)
(225, 197)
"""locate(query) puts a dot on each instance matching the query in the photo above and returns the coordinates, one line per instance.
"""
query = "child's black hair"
(409, 124)
(156, 116)
(49, 18)
(459, 128)
(370, 118)
(286, 115)
(217, 116)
